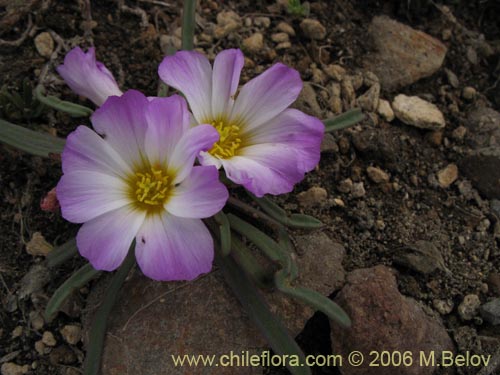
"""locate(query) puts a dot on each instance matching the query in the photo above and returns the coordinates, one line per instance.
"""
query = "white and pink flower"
(88, 77)
(133, 178)
(264, 145)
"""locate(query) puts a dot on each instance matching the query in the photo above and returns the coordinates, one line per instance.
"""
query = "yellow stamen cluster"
(152, 188)
(229, 140)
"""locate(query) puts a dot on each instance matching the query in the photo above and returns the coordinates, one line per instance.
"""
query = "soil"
(373, 227)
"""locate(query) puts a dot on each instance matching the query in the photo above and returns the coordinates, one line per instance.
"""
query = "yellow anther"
(229, 141)
(151, 188)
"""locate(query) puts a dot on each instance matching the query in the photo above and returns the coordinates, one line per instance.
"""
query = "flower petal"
(168, 118)
(88, 77)
(266, 96)
(173, 248)
(200, 195)
(301, 132)
(270, 168)
(199, 138)
(86, 150)
(105, 240)
(190, 73)
(86, 194)
(225, 79)
(122, 123)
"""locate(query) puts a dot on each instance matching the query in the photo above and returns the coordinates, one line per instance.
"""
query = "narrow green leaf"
(277, 213)
(225, 232)
(188, 24)
(62, 253)
(286, 243)
(345, 120)
(313, 299)
(97, 333)
(36, 143)
(260, 239)
(269, 325)
(76, 281)
(74, 110)
(304, 222)
(246, 260)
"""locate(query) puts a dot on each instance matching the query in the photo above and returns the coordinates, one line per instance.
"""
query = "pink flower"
(135, 178)
(88, 77)
(264, 145)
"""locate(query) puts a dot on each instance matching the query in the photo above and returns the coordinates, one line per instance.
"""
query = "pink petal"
(200, 195)
(85, 194)
(265, 96)
(122, 123)
(190, 73)
(168, 119)
(199, 138)
(173, 248)
(88, 77)
(105, 240)
(86, 150)
(225, 79)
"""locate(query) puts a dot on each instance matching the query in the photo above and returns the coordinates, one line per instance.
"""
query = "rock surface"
(383, 319)
(154, 320)
(404, 55)
(417, 112)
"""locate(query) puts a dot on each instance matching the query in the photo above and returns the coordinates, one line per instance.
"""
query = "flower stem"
(188, 24)
(98, 331)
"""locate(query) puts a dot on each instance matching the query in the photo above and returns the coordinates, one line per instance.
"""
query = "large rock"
(153, 320)
(383, 319)
(403, 55)
(417, 112)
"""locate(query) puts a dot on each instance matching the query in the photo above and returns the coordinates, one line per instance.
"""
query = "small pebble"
(377, 175)
(313, 29)
(254, 43)
(312, 197)
(49, 339)
(280, 37)
(469, 93)
(40, 347)
(10, 368)
(447, 175)
(286, 28)
(385, 111)
(345, 186)
(459, 133)
(467, 310)
(44, 44)
(71, 334)
(335, 71)
(358, 190)
(444, 307)
(17, 332)
(490, 312)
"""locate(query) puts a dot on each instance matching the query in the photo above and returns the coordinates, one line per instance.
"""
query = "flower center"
(150, 188)
(229, 140)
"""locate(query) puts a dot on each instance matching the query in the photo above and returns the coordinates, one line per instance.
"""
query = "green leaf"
(74, 110)
(97, 333)
(76, 281)
(246, 260)
(62, 253)
(188, 24)
(36, 143)
(279, 214)
(225, 232)
(345, 120)
(286, 243)
(313, 299)
(269, 325)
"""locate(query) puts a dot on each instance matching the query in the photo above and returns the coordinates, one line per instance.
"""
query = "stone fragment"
(286, 28)
(71, 334)
(11, 368)
(452, 78)
(280, 37)
(422, 256)
(358, 190)
(377, 175)
(227, 22)
(336, 72)
(447, 175)
(49, 339)
(383, 319)
(335, 100)
(44, 44)
(469, 93)
(484, 172)
(417, 112)
(38, 246)
(403, 55)
(490, 311)
(328, 144)
(307, 101)
(254, 43)
(315, 196)
(313, 29)
(345, 186)
(385, 110)
(370, 99)
(264, 22)
(468, 308)
(444, 307)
